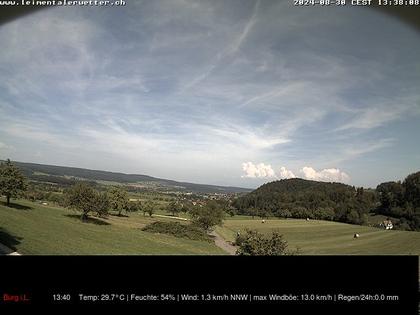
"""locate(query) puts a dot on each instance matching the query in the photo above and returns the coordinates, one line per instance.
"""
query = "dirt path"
(221, 243)
(169, 217)
(218, 240)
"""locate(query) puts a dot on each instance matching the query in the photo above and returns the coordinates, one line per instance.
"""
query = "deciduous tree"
(12, 181)
(174, 207)
(83, 198)
(149, 208)
(118, 200)
(207, 216)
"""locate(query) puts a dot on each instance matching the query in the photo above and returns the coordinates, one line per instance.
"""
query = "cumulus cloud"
(257, 171)
(262, 170)
(285, 173)
(325, 175)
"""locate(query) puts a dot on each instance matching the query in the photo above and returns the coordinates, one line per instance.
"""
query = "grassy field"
(323, 237)
(31, 228)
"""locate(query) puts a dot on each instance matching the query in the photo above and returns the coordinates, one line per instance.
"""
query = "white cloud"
(285, 173)
(377, 116)
(246, 137)
(352, 152)
(240, 39)
(260, 170)
(325, 175)
(372, 118)
(230, 51)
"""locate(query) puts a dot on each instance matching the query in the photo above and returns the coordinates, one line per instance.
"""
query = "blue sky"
(218, 92)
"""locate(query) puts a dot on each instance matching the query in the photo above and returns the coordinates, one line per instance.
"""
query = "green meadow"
(33, 228)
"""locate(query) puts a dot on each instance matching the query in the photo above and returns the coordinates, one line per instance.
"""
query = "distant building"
(387, 224)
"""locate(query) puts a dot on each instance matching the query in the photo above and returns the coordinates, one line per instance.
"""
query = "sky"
(238, 92)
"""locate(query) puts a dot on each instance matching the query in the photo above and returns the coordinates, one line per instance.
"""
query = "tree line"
(401, 200)
(299, 198)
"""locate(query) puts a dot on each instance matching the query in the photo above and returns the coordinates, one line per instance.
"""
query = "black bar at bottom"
(387, 284)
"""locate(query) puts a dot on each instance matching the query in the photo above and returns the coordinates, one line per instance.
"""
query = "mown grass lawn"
(323, 237)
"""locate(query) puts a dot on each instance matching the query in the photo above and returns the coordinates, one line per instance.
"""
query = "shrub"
(177, 229)
(254, 243)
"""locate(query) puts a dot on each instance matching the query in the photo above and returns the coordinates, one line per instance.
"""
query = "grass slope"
(324, 237)
(31, 228)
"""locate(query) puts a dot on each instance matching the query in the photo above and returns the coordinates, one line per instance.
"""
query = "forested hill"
(299, 198)
(62, 174)
(301, 185)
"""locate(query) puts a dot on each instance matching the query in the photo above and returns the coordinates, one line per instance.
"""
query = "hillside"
(33, 229)
(299, 198)
(301, 185)
(66, 175)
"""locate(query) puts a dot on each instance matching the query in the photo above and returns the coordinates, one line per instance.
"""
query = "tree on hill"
(252, 211)
(263, 213)
(412, 189)
(391, 194)
(402, 201)
(186, 206)
(208, 216)
(118, 200)
(174, 207)
(134, 206)
(83, 198)
(12, 182)
(254, 243)
(101, 204)
(231, 210)
(149, 208)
